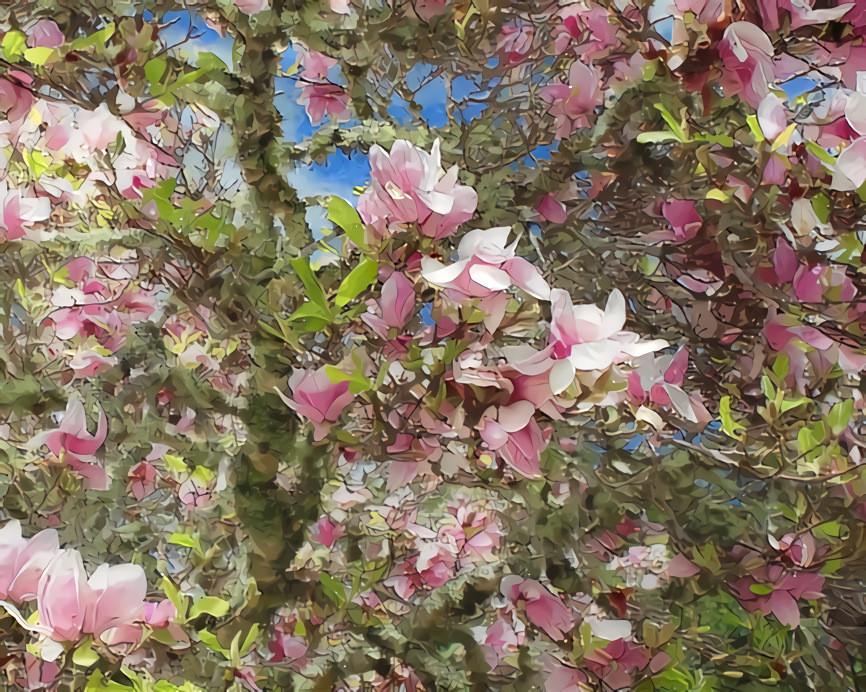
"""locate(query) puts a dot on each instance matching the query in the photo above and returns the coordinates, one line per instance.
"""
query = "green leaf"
(840, 415)
(315, 292)
(820, 152)
(187, 541)
(211, 642)
(729, 426)
(39, 55)
(656, 137)
(333, 589)
(358, 279)
(781, 366)
(761, 589)
(344, 215)
(84, 655)
(154, 70)
(13, 45)
(212, 605)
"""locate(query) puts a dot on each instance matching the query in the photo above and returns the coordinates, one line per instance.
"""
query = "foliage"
(567, 397)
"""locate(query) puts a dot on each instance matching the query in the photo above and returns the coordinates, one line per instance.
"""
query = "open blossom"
(20, 211)
(74, 445)
(571, 103)
(24, 560)
(324, 99)
(777, 591)
(318, 399)
(408, 185)
(109, 605)
(427, 9)
(396, 304)
(516, 437)
(485, 267)
(584, 337)
(544, 610)
(747, 53)
(45, 33)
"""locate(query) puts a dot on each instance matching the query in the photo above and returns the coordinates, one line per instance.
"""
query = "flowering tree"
(565, 396)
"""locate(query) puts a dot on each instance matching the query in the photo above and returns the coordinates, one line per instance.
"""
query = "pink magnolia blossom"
(684, 220)
(324, 99)
(706, 11)
(485, 266)
(747, 54)
(287, 649)
(159, 614)
(110, 605)
(251, 7)
(116, 605)
(516, 437)
(571, 103)
(409, 186)
(544, 610)
(396, 304)
(427, 9)
(341, 6)
(20, 211)
(515, 42)
(315, 64)
(63, 597)
(559, 677)
(773, 590)
(74, 445)
(616, 662)
(585, 337)
(551, 209)
(45, 33)
(24, 560)
(586, 28)
(849, 171)
(318, 399)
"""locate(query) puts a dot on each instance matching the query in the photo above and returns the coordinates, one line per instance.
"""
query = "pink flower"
(615, 662)
(318, 399)
(142, 480)
(552, 209)
(409, 186)
(587, 30)
(587, 338)
(683, 218)
(427, 9)
(326, 532)
(63, 596)
(72, 444)
(116, 603)
(286, 649)
(24, 560)
(570, 104)
(500, 640)
(396, 304)
(515, 42)
(45, 33)
(543, 609)
(516, 437)
(773, 590)
(159, 614)
(322, 99)
(485, 266)
(706, 11)
(20, 211)
(747, 54)
(315, 65)
(341, 6)
(849, 171)
(251, 7)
